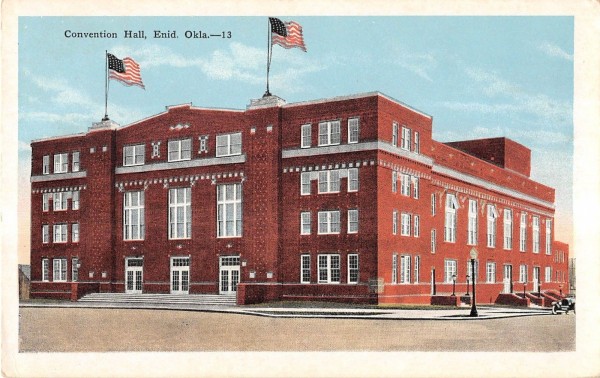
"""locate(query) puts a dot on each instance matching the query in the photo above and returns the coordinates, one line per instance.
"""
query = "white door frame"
(536, 279)
(137, 275)
(229, 274)
(180, 274)
(507, 277)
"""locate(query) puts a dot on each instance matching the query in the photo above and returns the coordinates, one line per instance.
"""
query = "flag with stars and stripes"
(286, 34)
(126, 70)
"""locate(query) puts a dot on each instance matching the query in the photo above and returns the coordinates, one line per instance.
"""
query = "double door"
(229, 274)
(180, 275)
(507, 279)
(134, 275)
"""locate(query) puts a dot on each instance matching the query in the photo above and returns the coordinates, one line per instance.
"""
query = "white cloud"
(24, 146)
(63, 93)
(553, 50)
(419, 64)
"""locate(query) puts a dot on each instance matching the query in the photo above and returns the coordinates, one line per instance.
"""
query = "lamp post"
(539, 289)
(453, 284)
(473, 304)
(467, 285)
(560, 288)
(524, 286)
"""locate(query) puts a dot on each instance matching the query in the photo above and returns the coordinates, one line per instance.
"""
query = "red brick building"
(345, 199)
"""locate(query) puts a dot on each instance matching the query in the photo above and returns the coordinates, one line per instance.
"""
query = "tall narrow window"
(470, 270)
(491, 272)
(305, 223)
(61, 163)
(59, 201)
(305, 137)
(352, 268)
(394, 268)
(491, 225)
(507, 229)
(405, 269)
(45, 234)
(229, 210)
(449, 270)
(75, 232)
(523, 273)
(405, 224)
(405, 184)
(395, 134)
(75, 200)
(395, 222)
(416, 230)
(134, 155)
(329, 133)
(536, 234)
(45, 270)
(305, 269)
(353, 221)
(417, 143)
(417, 269)
(353, 130)
(406, 138)
(433, 204)
(46, 165)
(46, 201)
(353, 179)
(472, 225)
(133, 215)
(433, 240)
(450, 220)
(523, 232)
(60, 233)
(329, 268)
(548, 236)
(179, 150)
(305, 183)
(415, 183)
(548, 274)
(394, 181)
(329, 222)
(75, 162)
(180, 213)
(74, 269)
(329, 181)
(59, 270)
(229, 144)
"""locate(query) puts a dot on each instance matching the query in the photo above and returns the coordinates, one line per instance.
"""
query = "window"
(59, 201)
(417, 143)
(405, 138)
(353, 125)
(548, 274)
(229, 210)
(329, 268)
(417, 268)
(61, 163)
(433, 240)
(405, 224)
(415, 183)
(46, 165)
(395, 222)
(182, 149)
(133, 216)
(305, 183)
(75, 232)
(180, 213)
(60, 233)
(45, 201)
(394, 181)
(352, 268)
(491, 272)
(523, 232)
(45, 270)
(329, 222)
(74, 269)
(75, 162)
(523, 273)
(536, 234)
(75, 200)
(45, 234)
(548, 236)
(433, 204)
(449, 270)
(405, 184)
(59, 270)
(305, 269)
(353, 179)
(305, 138)
(491, 225)
(450, 221)
(405, 269)
(470, 270)
(507, 229)
(395, 134)
(135, 155)
(416, 230)
(394, 268)
(329, 181)
(472, 226)
(305, 223)
(353, 221)
(329, 133)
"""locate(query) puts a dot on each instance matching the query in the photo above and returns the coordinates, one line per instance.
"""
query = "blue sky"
(477, 76)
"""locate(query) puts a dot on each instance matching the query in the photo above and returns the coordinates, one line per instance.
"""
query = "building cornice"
(59, 176)
(238, 159)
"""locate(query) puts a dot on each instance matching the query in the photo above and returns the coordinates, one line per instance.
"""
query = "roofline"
(57, 137)
(356, 96)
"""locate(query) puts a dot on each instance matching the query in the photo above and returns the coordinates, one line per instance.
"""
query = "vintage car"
(564, 305)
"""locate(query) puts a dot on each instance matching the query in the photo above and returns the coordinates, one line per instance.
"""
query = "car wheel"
(553, 310)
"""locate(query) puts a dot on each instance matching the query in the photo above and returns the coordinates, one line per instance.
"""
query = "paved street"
(99, 329)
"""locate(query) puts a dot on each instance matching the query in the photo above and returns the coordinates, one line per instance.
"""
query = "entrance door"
(229, 274)
(536, 279)
(134, 275)
(507, 278)
(180, 275)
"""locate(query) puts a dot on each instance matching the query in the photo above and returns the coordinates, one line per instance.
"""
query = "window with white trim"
(405, 269)
(61, 163)
(395, 134)
(353, 268)
(353, 221)
(46, 165)
(59, 270)
(492, 215)
(416, 229)
(433, 204)
(417, 143)
(405, 138)
(329, 181)
(45, 270)
(394, 181)
(75, 269)
(523, 232)
(305, 136)
(523, 273)
(449, 270)
(395, 268)
(450, 220)
(405, 224)
(491, 272)
(548, 274)
(417, 269)
(548, 236)
(305, 223)
(181, 149)
(75, 162)
(46, 201)
(472, 225)
(305, 183)
(229, 210)
(329, 268)
(59, 201)
(470, 270)
(353, 130)
(180, 213)
(536, 234)
(507, 229)
(394, 222)
(415, 184)
(329, 222)
(60, 233)
(352, 179)
(433, 240)
(75, 232)
(134, 155)
(305, 269)
(405, 184)
(133, 215)
(45, 234)
(229, 144)
(329, 133)
(75, 200)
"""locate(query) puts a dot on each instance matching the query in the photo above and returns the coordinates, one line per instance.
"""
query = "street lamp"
(539, 289)
(453, 285)
(467, 285)
(560, 288)
(473, 305)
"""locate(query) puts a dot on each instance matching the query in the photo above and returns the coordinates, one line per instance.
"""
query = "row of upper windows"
(406, 181)
(407, 142)
(181, 149)
(59, 201)
(329, 133)
(406, 220)
(61, 163)
(60, 233)
(329, 181)
(329, 222)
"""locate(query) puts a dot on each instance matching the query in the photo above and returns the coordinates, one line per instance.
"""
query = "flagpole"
(105, 86)
(269, 52)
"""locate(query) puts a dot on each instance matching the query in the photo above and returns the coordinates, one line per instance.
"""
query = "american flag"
(286, 34)
(127, 71)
